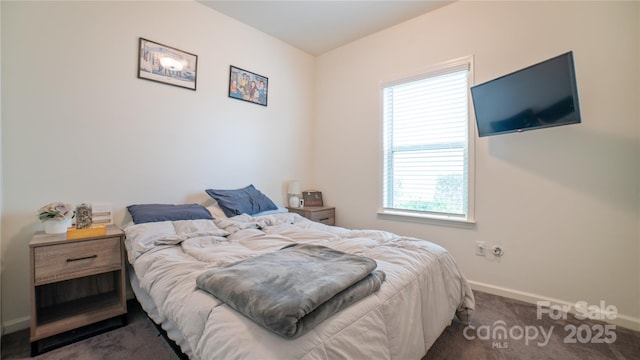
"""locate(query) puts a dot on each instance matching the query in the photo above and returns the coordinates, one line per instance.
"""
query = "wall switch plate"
(480, 246)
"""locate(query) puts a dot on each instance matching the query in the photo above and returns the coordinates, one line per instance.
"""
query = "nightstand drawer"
(323, 216)
(75, 259)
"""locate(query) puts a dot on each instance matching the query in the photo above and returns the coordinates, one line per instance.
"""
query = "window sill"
(425, 218)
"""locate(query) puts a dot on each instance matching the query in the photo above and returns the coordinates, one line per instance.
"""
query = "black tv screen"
(539, 96)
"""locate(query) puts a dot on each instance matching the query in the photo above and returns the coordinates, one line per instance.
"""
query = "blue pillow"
(247, 200)
(167, 212)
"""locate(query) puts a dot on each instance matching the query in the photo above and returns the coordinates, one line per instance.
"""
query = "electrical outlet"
(497, 251)
(480, 246)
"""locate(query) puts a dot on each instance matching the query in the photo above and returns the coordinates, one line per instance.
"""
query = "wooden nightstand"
(75, 283)
(322, 214)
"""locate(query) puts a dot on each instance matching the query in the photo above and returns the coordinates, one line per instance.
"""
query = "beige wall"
(563, 202)
(78, 126)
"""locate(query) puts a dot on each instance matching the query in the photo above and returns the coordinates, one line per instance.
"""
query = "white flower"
(56, 211)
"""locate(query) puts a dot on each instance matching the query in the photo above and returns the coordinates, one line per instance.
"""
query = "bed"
(421, 293)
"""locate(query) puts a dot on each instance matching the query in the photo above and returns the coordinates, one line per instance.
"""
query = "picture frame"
(312, 198)
(168, 65)
(248, 86)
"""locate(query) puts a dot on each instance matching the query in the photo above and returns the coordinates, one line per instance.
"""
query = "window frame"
(424, 216)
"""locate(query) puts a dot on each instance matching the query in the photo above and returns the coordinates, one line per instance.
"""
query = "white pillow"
(279, 210)
(186, 229)
(216, 211)
(141, 238)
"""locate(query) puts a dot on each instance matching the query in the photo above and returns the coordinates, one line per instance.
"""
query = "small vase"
(56, 226)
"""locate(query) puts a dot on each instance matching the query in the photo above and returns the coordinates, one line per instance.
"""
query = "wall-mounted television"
(539, 96)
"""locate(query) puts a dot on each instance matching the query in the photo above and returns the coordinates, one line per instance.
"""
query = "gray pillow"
(247, 200)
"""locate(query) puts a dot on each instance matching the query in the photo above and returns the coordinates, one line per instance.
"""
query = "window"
(427, 132)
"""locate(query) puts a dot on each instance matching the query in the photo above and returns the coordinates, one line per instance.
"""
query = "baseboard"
(14, 325)
(622, 320)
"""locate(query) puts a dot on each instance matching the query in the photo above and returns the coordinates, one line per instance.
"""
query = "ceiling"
(319, 26)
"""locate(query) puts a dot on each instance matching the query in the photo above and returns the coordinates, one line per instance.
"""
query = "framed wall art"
(247, 86)
(166, 64)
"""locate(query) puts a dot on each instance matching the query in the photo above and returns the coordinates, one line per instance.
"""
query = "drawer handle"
(82, 258)
(325, 219)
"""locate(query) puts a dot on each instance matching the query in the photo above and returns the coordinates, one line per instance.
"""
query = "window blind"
(425, 142)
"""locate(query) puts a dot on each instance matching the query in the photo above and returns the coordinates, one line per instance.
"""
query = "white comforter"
(422, 292)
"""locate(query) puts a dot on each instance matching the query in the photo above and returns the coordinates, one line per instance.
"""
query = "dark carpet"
(139, 340)
(528, 338)
(483, 339)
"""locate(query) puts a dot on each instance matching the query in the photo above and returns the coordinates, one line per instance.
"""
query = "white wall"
(78, 126)
(563, 202)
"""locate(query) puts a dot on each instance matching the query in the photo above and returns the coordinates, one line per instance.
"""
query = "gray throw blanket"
(291, 290)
